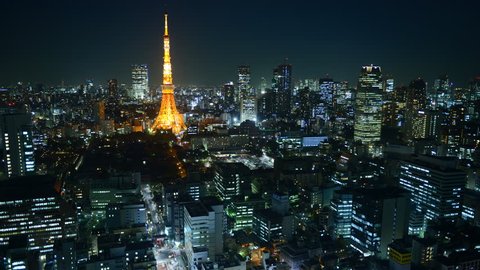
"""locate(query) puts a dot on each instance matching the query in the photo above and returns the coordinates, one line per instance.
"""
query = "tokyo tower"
(168, 118)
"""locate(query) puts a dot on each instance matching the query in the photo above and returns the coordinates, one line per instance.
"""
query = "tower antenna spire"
(166, 23)
(168, 117)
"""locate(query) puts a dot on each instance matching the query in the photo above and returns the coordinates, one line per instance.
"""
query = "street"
(166, 255)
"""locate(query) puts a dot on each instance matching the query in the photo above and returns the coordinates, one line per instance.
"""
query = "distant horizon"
(254, 85)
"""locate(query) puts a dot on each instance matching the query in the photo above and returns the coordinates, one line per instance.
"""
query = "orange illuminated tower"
(168, 118)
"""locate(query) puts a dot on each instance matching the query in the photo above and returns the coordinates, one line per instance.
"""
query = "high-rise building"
(417, 95)
(203, 227)
(368, 108)
(323, 99)
(389, 85)
(229, 97)
(231, 179)
(241, 211)
(311, 84)
(415, 114)
(434, 123)
(326, 87)
(116, 189)
(90, 87)
(474, 91)
(390, 107)
(168, 117)
(243, 82)
(265, 104)
(262, 89)
(305, 106)
(471, 207)
(99, 111)
(400, 255)
(125, 215)
(424, 250)
(343, 103)
(341, 212)
(139, 82)
(280, 203)
(248, 109)
(455, 128)
(282, 90)
(246, 95)
(18, 255)
(65, 254)
(473, 98)
(16, 142)
(379, 217)
(436, 186)
(443, 90)
(39, 212)
(270, 226)
(113, 88)
(275, 224)
(390, 114)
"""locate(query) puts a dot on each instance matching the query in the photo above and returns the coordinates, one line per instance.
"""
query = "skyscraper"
(247, 96)
(368, 108)
(229, 97)
(474, 91)
(341, 212)
(305, 105)
(231, 179)
(30, 206)
(262, 89)
(415, 114)
(139, 81)
(241, 210)
(436, 186)
(203, 228)
(243, 82)
(417, 95)
(389, 85)
(113, 88)
(282, 90)
(16, 142)
(324, 102)
(443, 92)
(473, 98)
(168, 118)
(379, 217)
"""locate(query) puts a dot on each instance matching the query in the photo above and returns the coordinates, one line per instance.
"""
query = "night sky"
(50, 41)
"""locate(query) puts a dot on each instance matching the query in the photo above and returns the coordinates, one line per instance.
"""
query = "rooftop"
(196, 209)
(27, 187)
(444, 164)
(268, 214)
(459, 257)
(383, 192)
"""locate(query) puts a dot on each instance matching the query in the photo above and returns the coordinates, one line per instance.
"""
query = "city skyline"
(259, 160)
(72, 42)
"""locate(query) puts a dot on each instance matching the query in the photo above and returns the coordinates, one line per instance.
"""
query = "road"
(168, 257)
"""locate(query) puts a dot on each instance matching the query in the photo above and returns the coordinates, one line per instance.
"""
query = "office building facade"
(16, 143)
(140, 86)
(282, 90)
(247, 96)
(231, 179)
(341, 213)
(203, 228)
(38, 213)
(379, 216)
(436, 186)
(368, 108)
